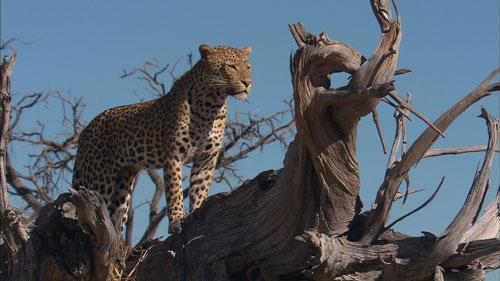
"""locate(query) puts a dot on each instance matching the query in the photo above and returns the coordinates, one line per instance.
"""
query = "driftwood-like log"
(72, 238)
(301, 222)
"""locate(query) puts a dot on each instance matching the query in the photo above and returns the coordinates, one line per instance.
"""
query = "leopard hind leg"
(121, 199)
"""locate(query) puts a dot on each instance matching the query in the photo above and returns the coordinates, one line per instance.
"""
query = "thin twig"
(404, 104)
(402, 71)
(379, 129)
(404, 145)
(400, 195)
(418, 208)
(456, 150)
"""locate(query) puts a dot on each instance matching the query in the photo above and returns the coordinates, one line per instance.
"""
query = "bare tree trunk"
(12, 232)
(302, 222)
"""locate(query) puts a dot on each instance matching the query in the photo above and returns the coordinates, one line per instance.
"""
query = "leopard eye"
(249, 67)
(232, 66)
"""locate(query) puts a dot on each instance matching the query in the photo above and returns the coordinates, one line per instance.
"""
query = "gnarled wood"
(72, 239)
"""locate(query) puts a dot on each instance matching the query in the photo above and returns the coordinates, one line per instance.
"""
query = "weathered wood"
(328, 124)
(12, 232)
(72, 239)
(454, 233)
(6, 67)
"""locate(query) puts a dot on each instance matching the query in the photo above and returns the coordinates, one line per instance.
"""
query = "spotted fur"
(186, 125)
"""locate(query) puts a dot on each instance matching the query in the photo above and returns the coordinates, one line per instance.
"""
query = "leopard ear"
(247, 51)
(205, 50)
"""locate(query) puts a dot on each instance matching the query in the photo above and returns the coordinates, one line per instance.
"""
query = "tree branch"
(417, 209)
(394, 176)
(455, 150)
(489, 224)
(453, 234)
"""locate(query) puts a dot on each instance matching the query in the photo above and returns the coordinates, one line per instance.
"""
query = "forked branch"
(378, 216)
(451, 237)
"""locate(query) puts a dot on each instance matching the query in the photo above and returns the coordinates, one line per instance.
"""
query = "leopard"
(184, 126)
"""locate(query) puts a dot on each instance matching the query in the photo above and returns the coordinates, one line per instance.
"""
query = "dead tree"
(301, 222)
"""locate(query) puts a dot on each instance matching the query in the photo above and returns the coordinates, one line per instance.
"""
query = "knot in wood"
(12, 215)
(3, 152)
(4, 95)
(317, 40)
(265, 180)
(323, 38)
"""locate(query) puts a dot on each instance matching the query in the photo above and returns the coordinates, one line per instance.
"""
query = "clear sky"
(82, 46)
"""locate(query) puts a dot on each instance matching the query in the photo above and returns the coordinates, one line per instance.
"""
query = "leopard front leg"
(201, 179)
(173, 193)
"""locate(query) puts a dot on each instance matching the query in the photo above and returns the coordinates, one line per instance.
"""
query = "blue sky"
(82, 46)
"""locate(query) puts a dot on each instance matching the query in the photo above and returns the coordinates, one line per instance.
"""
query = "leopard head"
(227, 70)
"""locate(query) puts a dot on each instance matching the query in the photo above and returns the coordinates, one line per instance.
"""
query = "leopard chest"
(204, 138)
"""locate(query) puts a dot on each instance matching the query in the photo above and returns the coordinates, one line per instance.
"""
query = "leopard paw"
(174, 227)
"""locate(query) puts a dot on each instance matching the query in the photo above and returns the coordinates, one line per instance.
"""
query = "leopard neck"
(206, 101)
